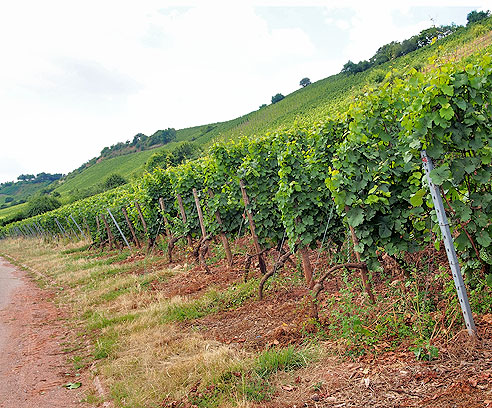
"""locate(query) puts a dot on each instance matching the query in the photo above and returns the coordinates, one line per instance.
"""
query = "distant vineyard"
(360, 170)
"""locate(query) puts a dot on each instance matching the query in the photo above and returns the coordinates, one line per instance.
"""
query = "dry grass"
(142, 359)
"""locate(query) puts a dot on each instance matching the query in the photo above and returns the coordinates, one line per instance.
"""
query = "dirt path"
(33, 367)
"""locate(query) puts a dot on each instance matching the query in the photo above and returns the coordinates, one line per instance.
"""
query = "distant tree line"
(476, 16)
(181, 153)
(39, 178)
(140, 142)
(396, 49)
(37, 204)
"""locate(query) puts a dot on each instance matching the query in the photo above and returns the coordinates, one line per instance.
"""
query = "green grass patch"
(97, 320)
(253, 383)
(83, 248)
(104, 345)
(113, 294)
(212, 302)
(78, 362)
(273, 360)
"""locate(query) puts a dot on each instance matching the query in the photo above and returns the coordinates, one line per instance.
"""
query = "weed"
(97, 320)
(78, 362)
(212, 302)
(93, 398)
(272, 360)
(104, 345)
(68, 251)
(426, 351)
(251, 384)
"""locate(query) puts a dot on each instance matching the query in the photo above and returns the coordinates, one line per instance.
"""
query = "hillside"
(306, 105)
(302, 267)
(311, 103)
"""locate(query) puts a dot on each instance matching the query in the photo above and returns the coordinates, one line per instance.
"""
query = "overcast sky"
(76, 76)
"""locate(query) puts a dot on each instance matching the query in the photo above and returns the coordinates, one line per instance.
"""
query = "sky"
(78, 76)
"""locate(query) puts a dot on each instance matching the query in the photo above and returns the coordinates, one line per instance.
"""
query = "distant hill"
(13, 193)
(308, 104)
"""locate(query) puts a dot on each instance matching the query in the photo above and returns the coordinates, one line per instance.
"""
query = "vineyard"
(212, 283)
(356, 175)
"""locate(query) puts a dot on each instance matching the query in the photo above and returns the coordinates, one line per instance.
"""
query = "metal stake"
(448, 244)
(119, 229)
(73, 231)
(62, 230)
(80, 229)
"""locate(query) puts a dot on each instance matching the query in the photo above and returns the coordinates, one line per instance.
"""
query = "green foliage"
(377, 171)
(179, 154)
(113, 180)
(305, 82)
(394, 49)
(40, 204)
(366, 159)
(426, 352)
(273, 360)
(476, 16)
(277, 98)
(139, 142)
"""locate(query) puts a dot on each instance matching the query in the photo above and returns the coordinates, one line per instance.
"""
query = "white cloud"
(371, 27)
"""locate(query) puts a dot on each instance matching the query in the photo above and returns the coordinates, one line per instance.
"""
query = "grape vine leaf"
(418, 198)
(355, 216)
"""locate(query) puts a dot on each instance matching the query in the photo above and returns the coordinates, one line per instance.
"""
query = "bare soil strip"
(33, 366)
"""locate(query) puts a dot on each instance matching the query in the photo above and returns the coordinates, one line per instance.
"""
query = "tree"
(184, 151)
(352, 68)
(264, 105)
(25, 177)
(277, 98)
(162, 137)
(475, 16)
(113, 180)
(349, 67)
(305, 82)
(40, 204)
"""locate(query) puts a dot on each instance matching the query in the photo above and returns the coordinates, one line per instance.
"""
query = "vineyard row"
(357, 174)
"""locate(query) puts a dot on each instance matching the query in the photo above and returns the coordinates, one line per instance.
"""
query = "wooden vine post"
(306, 264)
(166, 223)
(261, 262)
(363, 269)
(108, 231)
(307, 267)
(204, 241)
(130, 226)
(223, 236)
(86, 226)
(140, 214)
(98, 233)
(183, 217)
(200, 213)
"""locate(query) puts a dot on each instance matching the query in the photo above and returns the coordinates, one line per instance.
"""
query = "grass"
(212, 302)
(272, 360)
(10, 211)
(134, 343)
(125, 166)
